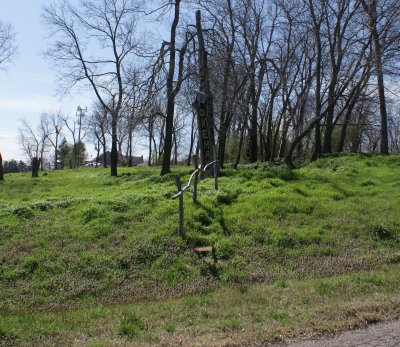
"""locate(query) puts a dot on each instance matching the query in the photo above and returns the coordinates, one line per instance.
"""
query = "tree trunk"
(35, 167)
(175, 148)
(222, 145)
(329, 126)
(253, 122)
(56, 152)
(223, 113)
(285, 130)
(240, 143)
(169, 124)
(130, 140)
(98, 153)
(114, 150)
(344, 127)
(150, 140)
(268, 146)
(1, 169)
(384, 148)
(371, 10)
(104, 155)
(318, 145)
(289, 156)
(318, 74)
(276, 135)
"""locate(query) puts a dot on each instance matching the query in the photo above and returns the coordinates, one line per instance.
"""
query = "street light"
(80, 112)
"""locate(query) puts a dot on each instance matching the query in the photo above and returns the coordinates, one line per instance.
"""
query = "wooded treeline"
(290, 78)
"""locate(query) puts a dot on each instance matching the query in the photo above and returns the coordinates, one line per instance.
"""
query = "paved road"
(379, 335)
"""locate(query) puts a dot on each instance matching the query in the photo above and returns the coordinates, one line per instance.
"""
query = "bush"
(382, 232)
(43, 205)
(23, 212)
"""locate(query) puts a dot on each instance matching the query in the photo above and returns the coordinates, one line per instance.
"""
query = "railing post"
(179, 186)
(196, 180)
(216, 175)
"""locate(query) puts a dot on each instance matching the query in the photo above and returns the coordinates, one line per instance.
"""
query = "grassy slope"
(77, 237)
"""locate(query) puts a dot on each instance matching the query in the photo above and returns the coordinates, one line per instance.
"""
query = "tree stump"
(35, 167)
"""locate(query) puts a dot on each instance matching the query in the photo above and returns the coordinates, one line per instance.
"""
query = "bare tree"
(92, 44)
(33, 143)
(172, 86)
(78, 131)
(7, 43)
(98, 125)
(221, 16)
(54, 124)
(382, 19)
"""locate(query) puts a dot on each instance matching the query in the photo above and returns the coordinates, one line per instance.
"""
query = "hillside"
(75, 240)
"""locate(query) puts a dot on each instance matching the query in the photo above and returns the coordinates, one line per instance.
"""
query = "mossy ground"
(82, 242)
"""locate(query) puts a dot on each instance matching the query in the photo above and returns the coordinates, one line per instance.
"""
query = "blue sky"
(27, 87)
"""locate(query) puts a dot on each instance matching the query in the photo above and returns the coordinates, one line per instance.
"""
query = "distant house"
(122, 160)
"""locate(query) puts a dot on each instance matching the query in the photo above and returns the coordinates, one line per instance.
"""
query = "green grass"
(79, 240)
(226, 315)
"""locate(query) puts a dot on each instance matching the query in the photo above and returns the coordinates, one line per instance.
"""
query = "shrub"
(381, 231)
(23, 212)
(43, 205)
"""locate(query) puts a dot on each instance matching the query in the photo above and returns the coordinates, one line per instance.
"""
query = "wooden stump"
(35, 167)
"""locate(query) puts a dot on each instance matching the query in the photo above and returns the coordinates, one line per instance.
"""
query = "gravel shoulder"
(382, 334)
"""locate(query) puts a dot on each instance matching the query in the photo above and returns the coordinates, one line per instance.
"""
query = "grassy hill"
(93, 247)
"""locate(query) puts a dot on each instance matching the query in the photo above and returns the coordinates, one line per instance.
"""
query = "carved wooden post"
(204, 104)
(1, 169)
(179, 186)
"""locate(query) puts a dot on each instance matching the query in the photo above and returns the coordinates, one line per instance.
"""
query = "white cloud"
(33, 104)
(9, 147)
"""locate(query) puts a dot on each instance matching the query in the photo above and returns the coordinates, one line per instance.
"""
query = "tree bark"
(1, 169)
(240, 142)
(114, 147)
(35, 167)
(371, 10)
(169, 124)
(318, 145)
(253, 121)
(344, 129)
